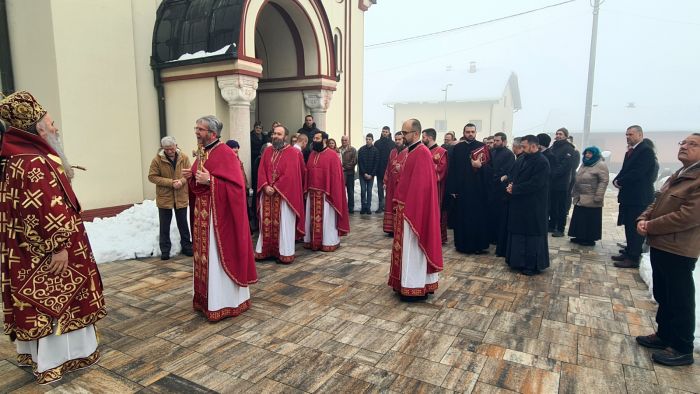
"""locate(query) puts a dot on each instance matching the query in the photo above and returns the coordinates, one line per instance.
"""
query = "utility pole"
(591, 75)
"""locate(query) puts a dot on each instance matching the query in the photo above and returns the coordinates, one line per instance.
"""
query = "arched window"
(338, 45)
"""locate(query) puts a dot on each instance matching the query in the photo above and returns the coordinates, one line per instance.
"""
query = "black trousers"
(557, 209)
(380, 189)
(629, 215)
(674, 290)
(350, 187)
(165, 216)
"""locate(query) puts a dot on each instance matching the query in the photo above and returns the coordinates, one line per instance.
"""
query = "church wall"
(285, 107)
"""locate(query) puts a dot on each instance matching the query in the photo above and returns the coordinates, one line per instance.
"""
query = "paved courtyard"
(329, 323)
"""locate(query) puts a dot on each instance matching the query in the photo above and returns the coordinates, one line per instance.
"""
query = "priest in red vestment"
(397, 157)
(281, 177)
(51, 288)
(223, 251)
(440, 164)
(326, 200)
(416, 256)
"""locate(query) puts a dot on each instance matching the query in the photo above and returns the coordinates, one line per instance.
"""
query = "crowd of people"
(302, 191)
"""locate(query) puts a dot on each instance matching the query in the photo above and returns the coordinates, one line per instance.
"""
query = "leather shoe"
(557, 234)
(622, 244)
(672, 357)
(652, 342)
(619, 257)
(165, 256)
(626, 263)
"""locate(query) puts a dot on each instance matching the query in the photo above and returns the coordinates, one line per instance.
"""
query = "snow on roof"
(201, 54)
(608, 119)
(485, 84)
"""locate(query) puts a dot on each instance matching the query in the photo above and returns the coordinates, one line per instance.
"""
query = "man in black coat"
(560, 178)
(528, 250)
(636, 183)
(575, 162)
(309, 129)
(367, 161)
(502, 160)
(384, 146)
(466, 194)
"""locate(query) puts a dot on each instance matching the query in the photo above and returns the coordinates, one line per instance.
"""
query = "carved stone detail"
(238, 89)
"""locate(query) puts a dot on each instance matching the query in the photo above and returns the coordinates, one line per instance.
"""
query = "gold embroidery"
(19, 304)
(35, 175)
(54, 221)
(56, 200)
(16, 168)
(32, 198)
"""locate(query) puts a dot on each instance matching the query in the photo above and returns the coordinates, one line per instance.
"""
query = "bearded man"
(51, 288)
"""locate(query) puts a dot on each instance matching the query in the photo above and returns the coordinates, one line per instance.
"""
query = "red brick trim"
(105, 212)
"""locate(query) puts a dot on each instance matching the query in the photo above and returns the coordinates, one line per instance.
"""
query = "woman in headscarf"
(588, 195)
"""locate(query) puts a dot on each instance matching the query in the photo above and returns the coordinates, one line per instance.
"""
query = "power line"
(466, 26)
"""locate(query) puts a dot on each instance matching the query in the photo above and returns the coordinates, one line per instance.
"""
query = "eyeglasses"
(407, 132)
(200, 129)
(689, 144)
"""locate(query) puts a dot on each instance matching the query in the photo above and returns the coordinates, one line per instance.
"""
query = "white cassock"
(330, 231)
(55, 350)
(287, 231)
(222, 292)
(414, 265)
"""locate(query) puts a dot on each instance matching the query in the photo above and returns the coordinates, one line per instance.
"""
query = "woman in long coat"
(588, 195)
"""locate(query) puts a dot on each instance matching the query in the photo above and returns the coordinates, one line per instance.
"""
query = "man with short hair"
(397, 158)
(636, 183)
(502, 160)
(384, 146)
(468, 176)
(281, 177)
(672, 227)
(171, 193)
(416, 255)
(448, 142)
(308, 129)
(502, 242)
(223, 252)
(367, 161)
(302, 144)
(51, 286)
(440, 163)
(517, 147)
(326, 206)
(257, 140)
(489, 141)
(348, 155)
(560, 178)
(527, 249)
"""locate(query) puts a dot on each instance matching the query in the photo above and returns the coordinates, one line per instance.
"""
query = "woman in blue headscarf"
(589, 192)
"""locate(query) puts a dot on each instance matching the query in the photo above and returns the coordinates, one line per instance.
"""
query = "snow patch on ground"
(645, 272)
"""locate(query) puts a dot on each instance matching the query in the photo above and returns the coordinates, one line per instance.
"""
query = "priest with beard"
(439, 155)
(397, 157)
(466, 193)
(51, 287)
(281, 178)
(528, 250)
(416, 255)
(502, 160)
(223, 251)
(326, 201)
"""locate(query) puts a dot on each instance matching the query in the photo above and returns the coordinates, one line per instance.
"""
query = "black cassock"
(502, 242)
(527, 214)
(467, 212)
(502, 160)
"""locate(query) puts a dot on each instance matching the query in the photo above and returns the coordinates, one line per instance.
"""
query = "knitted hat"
(232, 144)
(21, 110)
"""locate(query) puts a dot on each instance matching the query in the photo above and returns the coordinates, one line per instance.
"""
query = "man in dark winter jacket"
(563, 152)
(384, 146)
(309, 129)
(367, 162)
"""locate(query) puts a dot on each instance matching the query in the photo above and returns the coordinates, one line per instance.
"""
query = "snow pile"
(131, 234)
(645, 272)
(201, 54)
(358, 199)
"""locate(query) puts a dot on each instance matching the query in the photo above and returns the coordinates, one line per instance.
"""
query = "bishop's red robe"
(325, 183)
(223, 203)
(284, 171)
(440, 164)
(391, 179)
(416, 203)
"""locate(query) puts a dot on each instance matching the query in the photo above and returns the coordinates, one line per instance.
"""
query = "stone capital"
(238, 89)
(318, 100)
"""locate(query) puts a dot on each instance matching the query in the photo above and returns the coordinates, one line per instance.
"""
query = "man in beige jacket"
(171, 193)
(672, 227)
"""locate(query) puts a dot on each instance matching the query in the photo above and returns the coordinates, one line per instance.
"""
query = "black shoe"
(652, 342)
(390, 234)
(619, 257)
(672, 357)
(414, 298)
(574, 240)
(188, 252)
(379, 210)
(481, 252)
(165, 256)
(529, 272)
(626, 263)
(557, 234)
(623, 251)
(586, 243)
(622, 245)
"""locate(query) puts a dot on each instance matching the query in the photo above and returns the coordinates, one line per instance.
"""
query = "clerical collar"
(211, 144)
(433, 146)
(414, 145)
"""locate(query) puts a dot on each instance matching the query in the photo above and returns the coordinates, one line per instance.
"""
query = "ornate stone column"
(239, 90)
(253, 119)
(318, 101)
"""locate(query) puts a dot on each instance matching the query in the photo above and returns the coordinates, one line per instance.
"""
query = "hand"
(454, 195)
(504, 178)
(509, 188)
(203, 177)
(642, 227)
(177, 184)
(617, 185)
(187, 173)
(269, 190)
(368, 177)
(476, 163)
(59, 262)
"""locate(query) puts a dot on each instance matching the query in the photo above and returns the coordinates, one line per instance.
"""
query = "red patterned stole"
(200, 241)
(270, 228)
(316, 216)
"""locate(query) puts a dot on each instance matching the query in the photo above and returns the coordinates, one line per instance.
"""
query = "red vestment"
(416, 202)
(284, 171)
(40, 215)
(224, 202)
(324, 176)
(391, 179)
(440, 163)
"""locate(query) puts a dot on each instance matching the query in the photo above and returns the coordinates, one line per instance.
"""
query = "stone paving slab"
(329, 323)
